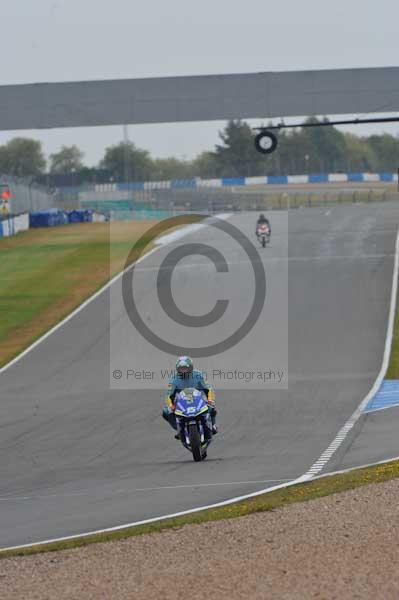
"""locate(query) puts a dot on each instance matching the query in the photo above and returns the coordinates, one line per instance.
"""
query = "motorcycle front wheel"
(195, 442)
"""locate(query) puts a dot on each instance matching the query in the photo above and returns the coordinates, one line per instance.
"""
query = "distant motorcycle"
(193, 422)
(263, 234)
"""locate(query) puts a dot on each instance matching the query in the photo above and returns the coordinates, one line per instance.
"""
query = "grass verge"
(46, 273)
(266, 502)
(393, 367)
(79, 260)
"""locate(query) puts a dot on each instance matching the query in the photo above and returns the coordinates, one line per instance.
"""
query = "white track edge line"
(301, 479)
(343, 432)
(98, 293)
(77, 310)
(386, 461)
(155, 519)
(311, 474)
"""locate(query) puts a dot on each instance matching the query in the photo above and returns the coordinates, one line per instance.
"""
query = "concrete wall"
(200, 98)
(13, 225)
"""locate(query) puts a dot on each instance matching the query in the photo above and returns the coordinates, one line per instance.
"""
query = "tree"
(67, 160)
(126, 162)
(386, 149)
(360, 155)
(237, 156)
(172, 168)
(294, 154)
(22, 157)
(327, 147)
(205, 165)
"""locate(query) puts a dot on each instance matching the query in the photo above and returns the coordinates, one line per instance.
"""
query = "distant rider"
(262, 220)
(187, 377)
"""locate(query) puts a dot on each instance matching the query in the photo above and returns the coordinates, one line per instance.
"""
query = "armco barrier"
(99, 217)
(86, 192)
(21, 222)
(5, 227)
(316, 178)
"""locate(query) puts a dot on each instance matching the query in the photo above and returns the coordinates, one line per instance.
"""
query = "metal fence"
(168, 202)
(26, 196)
(236, 199)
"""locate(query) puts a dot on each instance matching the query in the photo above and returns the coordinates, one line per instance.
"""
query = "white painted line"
(155, 519)
(277, 259)
(147, 489)
(176, 235)
(169, 238)
(343, 432)
(199, 485)
(374, 464)
(187, 230)
(312, 473)
(73, 313)
(302, 479)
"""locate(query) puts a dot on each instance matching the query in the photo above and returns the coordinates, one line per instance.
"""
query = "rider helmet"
(184, 365)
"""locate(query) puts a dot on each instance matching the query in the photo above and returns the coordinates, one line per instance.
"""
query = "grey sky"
(61, 40)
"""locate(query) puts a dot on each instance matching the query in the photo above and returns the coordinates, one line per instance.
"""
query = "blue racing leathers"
(196, 380)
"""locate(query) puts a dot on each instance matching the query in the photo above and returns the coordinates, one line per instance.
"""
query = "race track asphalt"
(376, 440)
(80, 454)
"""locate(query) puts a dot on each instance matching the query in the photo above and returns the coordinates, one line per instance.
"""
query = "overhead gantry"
(264, 95)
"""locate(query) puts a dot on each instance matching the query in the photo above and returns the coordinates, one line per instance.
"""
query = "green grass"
(46, 273)
(266, 502)
(56, 257)
(393, 368)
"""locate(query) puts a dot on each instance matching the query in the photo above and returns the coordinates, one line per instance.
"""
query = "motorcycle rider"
(187, 377)
(262, 220)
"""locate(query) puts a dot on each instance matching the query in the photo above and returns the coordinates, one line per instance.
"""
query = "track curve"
(78, 456)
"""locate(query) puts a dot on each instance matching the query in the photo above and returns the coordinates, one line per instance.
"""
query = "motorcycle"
(193, 422)
(263, 234)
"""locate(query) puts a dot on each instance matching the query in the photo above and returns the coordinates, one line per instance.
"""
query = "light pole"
(31, 182)
(126, 154)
